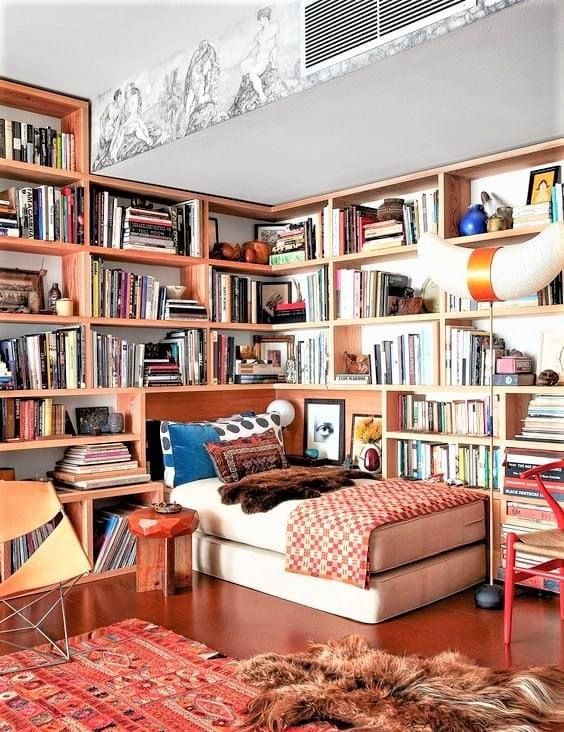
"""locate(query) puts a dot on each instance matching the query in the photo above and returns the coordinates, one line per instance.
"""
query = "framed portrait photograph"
(269, 232)
(552, 353)
(213, 232)
(366, 433)
(324, 428)
(91, 419)
(271, 294)
(277, 349)
(541, 182)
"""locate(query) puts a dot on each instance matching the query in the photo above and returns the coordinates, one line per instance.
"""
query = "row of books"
(553, 293)
(43, 212)
(357, 227)
(39, 145)
(467, 355)
(117, 293)
(49, 360)
(100, 465)
(462, 304)
(236, 298)
(532, 214)
(460, 416)
(230, 368)
(120, 221)
(368, 293)
(312, 359)
(180, 359)
(405, 359)
(298, 241)
(557, 203)
(313, 289)
(545, 419)
(114, 544)
(31, 419)
(467, 465)
(22, 547)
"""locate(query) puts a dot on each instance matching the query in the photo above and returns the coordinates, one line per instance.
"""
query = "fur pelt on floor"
(262, 491)
(349, 683)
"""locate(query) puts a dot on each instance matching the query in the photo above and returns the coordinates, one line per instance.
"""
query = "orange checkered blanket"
(329, 536)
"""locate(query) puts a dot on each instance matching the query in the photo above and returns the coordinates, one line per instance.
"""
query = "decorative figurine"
(474, 221)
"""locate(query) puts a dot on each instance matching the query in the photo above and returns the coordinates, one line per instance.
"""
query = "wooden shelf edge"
(66, 441)
(38, 173)
(39, 246)
(115, 492)
(495, 236)
(441, 437)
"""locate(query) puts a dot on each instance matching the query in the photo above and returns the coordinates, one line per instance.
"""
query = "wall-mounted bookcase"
(71, 264)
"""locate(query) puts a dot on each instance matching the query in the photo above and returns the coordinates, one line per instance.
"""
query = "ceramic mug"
(63, 306)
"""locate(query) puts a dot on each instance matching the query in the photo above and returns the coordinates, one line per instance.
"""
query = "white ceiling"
(496, 84)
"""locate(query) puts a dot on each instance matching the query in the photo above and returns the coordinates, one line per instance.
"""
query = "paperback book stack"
(39, 145)
(159, 368)
(517, 461)
(148, 230)
(533, 214)
(8, 213)
(176, 309)
(102, 465)
(545, 419)
(289, 312)
(383, 234)
(252, 371)
(114, 544)
(30, 419)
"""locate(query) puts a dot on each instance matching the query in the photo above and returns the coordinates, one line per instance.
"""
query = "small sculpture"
(548, 377)
(356, 364)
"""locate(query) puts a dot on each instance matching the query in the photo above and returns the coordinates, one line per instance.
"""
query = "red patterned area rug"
(129, 676)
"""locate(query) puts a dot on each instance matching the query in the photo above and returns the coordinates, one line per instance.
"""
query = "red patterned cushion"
(255, 454)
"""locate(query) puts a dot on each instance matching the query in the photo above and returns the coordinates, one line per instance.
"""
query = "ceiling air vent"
(338, 29)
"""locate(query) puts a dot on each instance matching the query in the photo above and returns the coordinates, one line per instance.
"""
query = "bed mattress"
(390, 546)
(390, 593)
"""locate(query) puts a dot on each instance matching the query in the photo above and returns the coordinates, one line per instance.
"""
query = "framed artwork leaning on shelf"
(366, 432)
(540, 184)
(324, 428)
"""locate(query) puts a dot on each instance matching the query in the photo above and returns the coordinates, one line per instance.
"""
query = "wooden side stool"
(164, 548)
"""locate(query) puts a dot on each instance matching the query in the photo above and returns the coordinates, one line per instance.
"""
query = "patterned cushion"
(256, 454)
(226, 429)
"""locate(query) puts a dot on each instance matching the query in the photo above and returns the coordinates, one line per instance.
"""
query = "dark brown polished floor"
(241, 622)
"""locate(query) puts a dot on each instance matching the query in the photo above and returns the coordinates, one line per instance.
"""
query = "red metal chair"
(547, 543)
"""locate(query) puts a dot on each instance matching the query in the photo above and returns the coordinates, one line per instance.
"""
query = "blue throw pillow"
(190, 459)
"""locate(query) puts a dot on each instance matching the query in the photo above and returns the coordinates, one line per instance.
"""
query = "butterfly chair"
(50, 571)
(548, 543)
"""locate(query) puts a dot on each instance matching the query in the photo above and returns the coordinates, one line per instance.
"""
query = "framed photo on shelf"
(90, 420)
(213, 232)
(269, 232)
(366, 432)
(271, 294)
(324, 428)
(21, 290)
(552, 353)
(278, 349)
(541, 182)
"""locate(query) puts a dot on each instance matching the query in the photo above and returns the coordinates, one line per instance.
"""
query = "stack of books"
(289, 312)
(159, 368)
(8, 213)
(368, 293)
(298, 242)
(252, 371)
(533, 214)
(39, 145)
(147, 230)
(545, 419)
(518, 461)
(102, 465)
(176, 309)
(189, 348)
(31, 419)
(378, 234)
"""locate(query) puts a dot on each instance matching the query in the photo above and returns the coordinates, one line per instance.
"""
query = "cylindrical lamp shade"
(501, 273)
(284, 410)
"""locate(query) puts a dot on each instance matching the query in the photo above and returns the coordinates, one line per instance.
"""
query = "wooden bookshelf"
(454, 184)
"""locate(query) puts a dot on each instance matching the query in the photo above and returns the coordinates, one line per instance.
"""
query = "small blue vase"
(473, 221)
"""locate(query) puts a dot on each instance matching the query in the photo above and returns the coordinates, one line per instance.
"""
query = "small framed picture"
(269, 232)
(213, 232)
(366, 432)
(541, 182)
(91, 420)
(277, 349)
(552, 353)
(271, 294)
(324, 428)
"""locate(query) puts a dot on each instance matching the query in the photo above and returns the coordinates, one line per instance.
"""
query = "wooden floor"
(242, 622)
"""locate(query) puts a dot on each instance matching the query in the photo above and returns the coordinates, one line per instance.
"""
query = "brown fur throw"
(262, 491)
(357, 687)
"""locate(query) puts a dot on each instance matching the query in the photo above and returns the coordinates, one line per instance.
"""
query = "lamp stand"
(490, 596)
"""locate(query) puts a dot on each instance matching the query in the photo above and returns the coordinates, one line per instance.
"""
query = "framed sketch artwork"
(324, 428)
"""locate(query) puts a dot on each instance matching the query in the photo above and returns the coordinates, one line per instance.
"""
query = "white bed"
(413, 563)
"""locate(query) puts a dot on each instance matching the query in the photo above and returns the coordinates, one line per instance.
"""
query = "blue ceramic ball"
(474, 221)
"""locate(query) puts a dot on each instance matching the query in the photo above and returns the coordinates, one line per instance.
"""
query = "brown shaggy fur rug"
(357, 687)
(262, 491)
